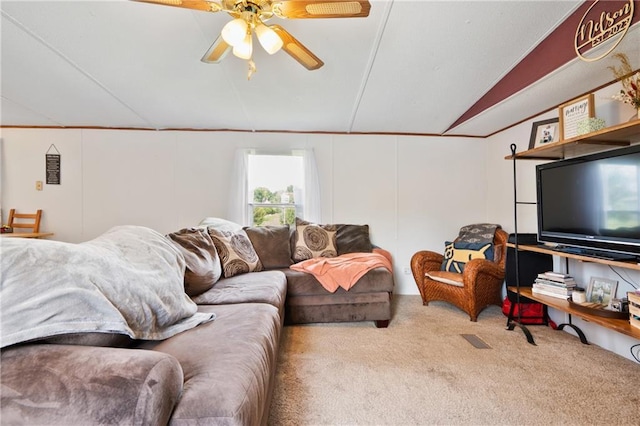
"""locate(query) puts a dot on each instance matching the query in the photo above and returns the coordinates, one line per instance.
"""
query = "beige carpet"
(421, 371)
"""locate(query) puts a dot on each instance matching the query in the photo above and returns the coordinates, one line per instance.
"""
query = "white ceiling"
(410, 67)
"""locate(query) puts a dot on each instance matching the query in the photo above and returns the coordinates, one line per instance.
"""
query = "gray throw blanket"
(480, 233)
(127, 281)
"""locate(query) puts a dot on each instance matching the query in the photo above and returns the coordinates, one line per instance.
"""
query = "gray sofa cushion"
(81, 385)
(228, 365)
(338, 308)
(257, 287)
(303, 284)
(271, 243)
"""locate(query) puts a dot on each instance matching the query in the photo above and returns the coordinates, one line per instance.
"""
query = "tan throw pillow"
(314, 241)
(203, 264)
(236, 252)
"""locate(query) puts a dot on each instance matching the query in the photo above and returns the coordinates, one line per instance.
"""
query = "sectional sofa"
(218, 370)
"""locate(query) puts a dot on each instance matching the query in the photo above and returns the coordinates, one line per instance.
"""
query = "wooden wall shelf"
(619, 325)
(611, 137)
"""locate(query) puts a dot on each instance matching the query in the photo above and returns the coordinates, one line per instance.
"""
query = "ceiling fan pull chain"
(252, 68)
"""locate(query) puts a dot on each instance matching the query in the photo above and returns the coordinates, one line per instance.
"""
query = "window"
(275, 184)
(272, 188)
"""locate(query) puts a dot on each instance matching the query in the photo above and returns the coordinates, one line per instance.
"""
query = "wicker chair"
(478, 286)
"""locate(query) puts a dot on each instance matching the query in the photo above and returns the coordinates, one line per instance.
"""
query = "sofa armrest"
(69, 384)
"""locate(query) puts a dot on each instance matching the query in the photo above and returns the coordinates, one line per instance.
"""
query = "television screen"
(591, 202)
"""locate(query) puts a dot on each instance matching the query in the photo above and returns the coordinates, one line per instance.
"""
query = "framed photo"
(572, 113)
(545, 131)
(601, 291)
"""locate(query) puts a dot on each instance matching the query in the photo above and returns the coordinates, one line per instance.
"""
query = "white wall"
(414, 192)
(500, 197)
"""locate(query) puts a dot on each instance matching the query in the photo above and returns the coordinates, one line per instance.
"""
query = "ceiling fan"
(250, 16)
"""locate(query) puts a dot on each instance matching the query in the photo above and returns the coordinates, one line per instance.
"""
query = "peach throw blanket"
(344, 270)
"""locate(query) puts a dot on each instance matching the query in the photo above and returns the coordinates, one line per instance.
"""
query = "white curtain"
(238, 211)
(312, 210)
(238, 195)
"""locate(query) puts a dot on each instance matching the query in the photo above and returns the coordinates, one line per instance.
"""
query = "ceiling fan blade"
(216, 52)
(304, 9)
(297, 50)
(208, 6)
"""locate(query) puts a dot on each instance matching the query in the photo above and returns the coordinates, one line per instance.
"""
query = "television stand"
(619, 325)
(605, 255)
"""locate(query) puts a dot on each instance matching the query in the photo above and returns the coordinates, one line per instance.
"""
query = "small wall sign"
(572, 113)
(52, 166)
(604, 23)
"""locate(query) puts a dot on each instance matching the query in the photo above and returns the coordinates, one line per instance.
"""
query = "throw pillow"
(237, 255)
(203, 264)
(353, 239)
(271, 244)
(219, 224)
(456, 254)
(314, 240)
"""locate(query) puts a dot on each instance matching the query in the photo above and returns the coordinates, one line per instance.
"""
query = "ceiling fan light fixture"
(268, 38)
(244, 49)
(234, 32)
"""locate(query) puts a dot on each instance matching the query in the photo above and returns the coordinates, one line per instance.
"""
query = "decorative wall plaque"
(604, 24)
(52, 166)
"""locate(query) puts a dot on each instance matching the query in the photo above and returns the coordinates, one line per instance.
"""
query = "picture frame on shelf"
(572, 112)
(543, 132)
(601, 291)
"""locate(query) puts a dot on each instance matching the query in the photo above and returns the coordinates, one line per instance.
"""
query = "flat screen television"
(591, 204)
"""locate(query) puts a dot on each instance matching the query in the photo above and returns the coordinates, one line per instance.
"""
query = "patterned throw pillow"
(457, 254)
(314, 240)
(236, 252)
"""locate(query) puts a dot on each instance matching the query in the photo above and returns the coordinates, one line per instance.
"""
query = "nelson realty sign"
(604, 24)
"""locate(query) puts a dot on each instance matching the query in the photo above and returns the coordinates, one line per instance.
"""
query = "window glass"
(275, 183)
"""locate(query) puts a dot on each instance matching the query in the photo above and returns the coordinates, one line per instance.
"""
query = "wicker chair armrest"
(424, 261)
(481, 273)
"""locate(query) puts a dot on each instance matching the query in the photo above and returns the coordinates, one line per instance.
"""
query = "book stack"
(554, 284)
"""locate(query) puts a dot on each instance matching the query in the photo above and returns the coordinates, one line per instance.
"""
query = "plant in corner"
(630, 92)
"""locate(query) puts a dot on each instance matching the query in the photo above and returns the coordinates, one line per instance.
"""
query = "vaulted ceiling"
(409, 67)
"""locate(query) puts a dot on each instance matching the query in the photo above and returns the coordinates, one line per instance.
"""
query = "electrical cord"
(636, 356)
(627, 280)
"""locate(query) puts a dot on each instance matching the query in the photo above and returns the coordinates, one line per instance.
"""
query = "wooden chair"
(27, 221)
(478, 286)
